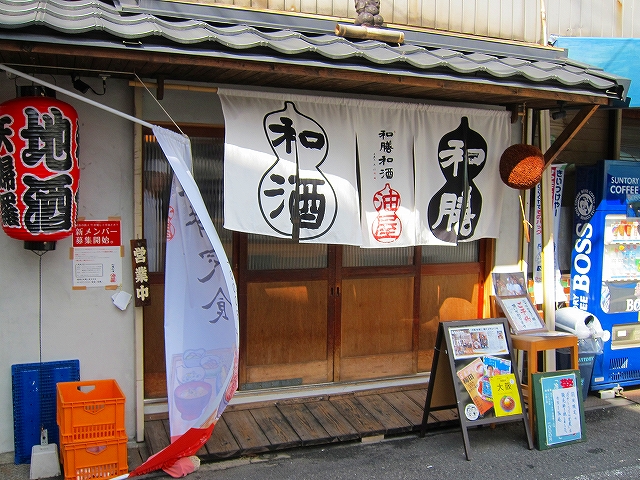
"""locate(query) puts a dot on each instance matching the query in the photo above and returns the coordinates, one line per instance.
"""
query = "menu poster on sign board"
(472, 370)
(472, 341)
(558, 406)
(490, 384)
(472, 377)
(97, 254)
(506, 400)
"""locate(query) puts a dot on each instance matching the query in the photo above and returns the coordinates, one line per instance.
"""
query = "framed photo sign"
(522, 314)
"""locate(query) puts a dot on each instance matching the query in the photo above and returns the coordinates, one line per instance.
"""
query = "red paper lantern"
(39, 170)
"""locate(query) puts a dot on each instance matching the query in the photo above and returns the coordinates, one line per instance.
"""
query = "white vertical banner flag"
(201, 306)
(458, 186)
(290, 167)
(557, 185)
(385, 133)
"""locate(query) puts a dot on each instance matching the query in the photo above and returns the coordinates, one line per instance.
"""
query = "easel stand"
(462, 350)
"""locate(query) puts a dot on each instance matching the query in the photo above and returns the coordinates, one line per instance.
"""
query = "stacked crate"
(93, 439)
(33, 387)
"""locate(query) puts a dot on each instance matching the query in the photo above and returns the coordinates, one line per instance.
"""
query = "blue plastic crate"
(33, 387)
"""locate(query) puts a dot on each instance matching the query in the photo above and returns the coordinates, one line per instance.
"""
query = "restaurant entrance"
(316, 313)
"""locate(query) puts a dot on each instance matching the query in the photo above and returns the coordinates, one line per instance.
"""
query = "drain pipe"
(548, 242)
(543, 18)
(138, 232)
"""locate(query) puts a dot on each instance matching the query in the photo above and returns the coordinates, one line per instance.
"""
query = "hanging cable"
(525, 223)
(43, 433)
(159, 104)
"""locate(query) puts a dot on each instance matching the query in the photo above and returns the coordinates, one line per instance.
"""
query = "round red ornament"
(521, 166)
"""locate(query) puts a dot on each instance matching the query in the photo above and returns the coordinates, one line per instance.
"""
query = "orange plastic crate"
(89, 411)
(104, 459)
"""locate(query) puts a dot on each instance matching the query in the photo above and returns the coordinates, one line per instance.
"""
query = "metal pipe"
(75, 95)
(360, 31)
(543, 18)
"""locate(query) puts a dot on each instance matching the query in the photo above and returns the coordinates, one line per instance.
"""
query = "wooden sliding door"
(312, 313)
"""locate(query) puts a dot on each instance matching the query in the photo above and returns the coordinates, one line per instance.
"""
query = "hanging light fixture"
(40, 170)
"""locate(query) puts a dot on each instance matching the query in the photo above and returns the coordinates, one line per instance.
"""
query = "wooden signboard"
(557, 397)
(474, 369)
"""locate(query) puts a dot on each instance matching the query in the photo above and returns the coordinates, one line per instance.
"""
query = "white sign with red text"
(97, 254)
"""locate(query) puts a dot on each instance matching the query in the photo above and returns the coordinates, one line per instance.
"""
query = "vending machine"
(605, 265)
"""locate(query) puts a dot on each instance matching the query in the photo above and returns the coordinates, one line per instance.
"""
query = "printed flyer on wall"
(469, 342)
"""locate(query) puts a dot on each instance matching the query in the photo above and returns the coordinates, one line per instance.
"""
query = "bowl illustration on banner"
(191, 398)
(212, 365)
(186, 375)
(191, 358)
(507, 403)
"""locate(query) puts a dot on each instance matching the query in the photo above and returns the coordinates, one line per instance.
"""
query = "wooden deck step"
(247, 432)
(222, 443)
(358, 416)
(252, 429)
(308, 428)
(333, 421)
(155, 435)
(392, 421)
(276, 428)
(409, 408)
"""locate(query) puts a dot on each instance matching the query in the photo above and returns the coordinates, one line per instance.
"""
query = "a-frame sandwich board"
(465, 356)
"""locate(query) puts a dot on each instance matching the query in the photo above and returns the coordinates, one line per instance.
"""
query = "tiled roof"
(94, 19)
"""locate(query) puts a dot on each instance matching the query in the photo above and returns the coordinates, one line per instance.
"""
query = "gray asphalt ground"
(611, 450)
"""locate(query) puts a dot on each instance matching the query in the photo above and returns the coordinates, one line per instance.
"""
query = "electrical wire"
(40, 253)
(159, 104)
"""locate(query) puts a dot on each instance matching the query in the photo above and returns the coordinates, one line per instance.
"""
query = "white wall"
(182, 106)
(519, 20)
(76, 324)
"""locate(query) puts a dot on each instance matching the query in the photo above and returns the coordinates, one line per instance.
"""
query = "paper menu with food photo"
(475, 341)
(506, 397)
(471, 376)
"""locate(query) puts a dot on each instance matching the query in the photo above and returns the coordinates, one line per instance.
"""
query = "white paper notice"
(97, 266)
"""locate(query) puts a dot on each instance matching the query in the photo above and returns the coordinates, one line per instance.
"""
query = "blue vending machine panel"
(605, 265)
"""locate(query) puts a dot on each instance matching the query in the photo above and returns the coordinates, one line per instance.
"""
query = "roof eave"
(320, 24)
(66, 53)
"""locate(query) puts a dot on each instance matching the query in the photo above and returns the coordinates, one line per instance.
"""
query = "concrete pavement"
(610, 450)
